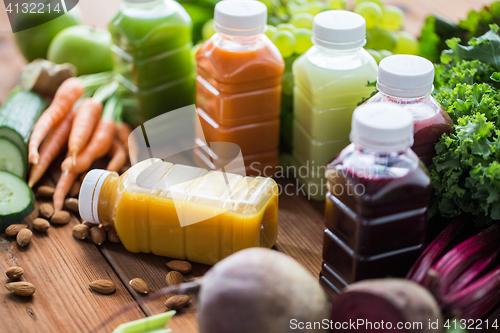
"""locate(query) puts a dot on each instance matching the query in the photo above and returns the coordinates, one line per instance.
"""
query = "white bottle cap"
(339, 29)
(382, 127)
(240, 17)
(89, 194)
(405, 76)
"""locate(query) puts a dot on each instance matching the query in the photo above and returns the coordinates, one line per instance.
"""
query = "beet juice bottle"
(376, 204)
(407, 80)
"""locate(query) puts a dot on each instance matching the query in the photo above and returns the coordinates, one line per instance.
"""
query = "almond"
(46, 210)
(89, 225)
(61, 217)
(103, 286)
(80, 231)
(113, 236)
(180, 266)
(45, 192)
(14, 272)
(13, 229)
(71, 204)
(173, 278)
(97, 235)
(75, 189)
(21, 288)
(139, 285)
(106, 227)
(24, 237)
(41, 225)
(177, 302)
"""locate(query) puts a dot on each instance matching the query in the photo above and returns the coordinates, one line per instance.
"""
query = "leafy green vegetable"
(466, 172)
(485, 48)
(437, 30)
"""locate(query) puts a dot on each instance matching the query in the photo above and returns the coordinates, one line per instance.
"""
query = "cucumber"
(11, 158)
(18, 116)
(17, 200)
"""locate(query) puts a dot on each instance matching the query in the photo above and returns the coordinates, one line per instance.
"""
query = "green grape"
(378, 2)
(375, 54)
(385, 53)
(302, 20)
(393, 18)
(382, 39)
(371, 12)
(285, 42)
(337, 4)
(286, 27)
(292, 8)
(271, 30)
(406, 44)
(314, 8)
(304, 40)
(208, 30)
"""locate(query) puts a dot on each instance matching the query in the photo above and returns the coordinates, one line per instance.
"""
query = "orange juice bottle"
(238, 88)
(182, 212)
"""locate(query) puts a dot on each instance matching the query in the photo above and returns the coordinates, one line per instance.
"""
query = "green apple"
(34, 42)
(88, 48)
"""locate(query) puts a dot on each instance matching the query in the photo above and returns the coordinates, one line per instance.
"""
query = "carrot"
(67, 94)
(62, 188)
(118, 156)
(123, 131)
(51, 148)
(86, 119)
(99, 145)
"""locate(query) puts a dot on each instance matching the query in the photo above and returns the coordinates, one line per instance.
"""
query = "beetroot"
(387, 301)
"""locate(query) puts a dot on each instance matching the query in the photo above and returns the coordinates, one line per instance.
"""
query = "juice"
(376, 204)
(407, 81)
(330, 79)
(183, 212)
(238, 87)
(152, 43)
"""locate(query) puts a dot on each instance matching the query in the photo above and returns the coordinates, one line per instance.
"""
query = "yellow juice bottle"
(183, 212)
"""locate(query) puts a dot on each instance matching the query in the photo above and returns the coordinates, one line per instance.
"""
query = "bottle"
(330, 80)
(182, 212)
(238, 88)
(407, 80)
(376, 203)
(152, 47)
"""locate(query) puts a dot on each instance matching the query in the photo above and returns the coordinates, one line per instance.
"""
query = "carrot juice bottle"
(406, 80)
(238, 88)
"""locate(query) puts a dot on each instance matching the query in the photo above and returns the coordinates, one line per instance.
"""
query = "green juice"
(152, 43)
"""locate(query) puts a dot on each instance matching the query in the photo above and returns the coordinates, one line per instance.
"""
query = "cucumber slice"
(16, 199)
(11, 158)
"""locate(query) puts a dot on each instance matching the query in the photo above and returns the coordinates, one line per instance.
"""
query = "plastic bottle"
(182, 212)
(152, 44)
(376, 204)
(238, 88)
(330, 80)
(407, 80)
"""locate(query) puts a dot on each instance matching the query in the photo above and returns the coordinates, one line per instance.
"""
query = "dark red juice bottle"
(407, 80)
(376, 204)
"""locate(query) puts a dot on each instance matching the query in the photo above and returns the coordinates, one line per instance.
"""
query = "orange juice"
(238, 87)
(183, 212)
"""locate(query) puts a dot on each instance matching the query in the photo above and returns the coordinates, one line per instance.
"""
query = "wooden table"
(61, 267)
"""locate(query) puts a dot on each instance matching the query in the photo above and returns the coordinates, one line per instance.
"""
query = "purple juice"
(375, 214)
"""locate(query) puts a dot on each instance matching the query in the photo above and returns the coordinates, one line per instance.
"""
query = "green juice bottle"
(152, 43)
(330, 79)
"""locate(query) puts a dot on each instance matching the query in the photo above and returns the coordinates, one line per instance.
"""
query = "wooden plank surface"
(61, 267)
